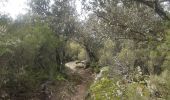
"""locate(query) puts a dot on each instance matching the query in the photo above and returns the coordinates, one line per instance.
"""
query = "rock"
(103, 72)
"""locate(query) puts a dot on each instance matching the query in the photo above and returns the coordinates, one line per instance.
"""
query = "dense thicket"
(125, 42)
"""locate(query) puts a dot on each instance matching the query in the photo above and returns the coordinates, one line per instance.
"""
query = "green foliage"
(147, 66)
(106, 53)
(120, 89)
(105, 89)
(137, 91)
(75, 51)
(82, 55)
(127, 58)
(35, 47)
(30, 58)
(165, 49)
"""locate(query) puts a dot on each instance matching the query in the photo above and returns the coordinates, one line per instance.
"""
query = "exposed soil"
(77, 86)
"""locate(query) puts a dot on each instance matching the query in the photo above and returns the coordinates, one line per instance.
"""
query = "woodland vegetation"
(125, 43)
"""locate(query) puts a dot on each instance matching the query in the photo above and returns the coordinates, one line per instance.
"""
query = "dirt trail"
(81, 89)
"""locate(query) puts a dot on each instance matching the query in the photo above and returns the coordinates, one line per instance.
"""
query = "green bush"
(104, 89)
(127, 58)
(75, 51)
(31, 58)
(106, 53)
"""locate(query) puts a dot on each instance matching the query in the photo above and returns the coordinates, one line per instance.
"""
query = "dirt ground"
(77, 86)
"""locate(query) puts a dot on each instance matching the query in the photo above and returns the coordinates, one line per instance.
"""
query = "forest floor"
(79, 82)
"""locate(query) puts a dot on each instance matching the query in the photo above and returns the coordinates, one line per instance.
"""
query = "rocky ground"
(77, 85)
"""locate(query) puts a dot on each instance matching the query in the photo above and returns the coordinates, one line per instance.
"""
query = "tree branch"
(120, 25)
(156, 6)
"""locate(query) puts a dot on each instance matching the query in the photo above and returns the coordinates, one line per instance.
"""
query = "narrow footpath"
(86, 79)
(77, 85)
